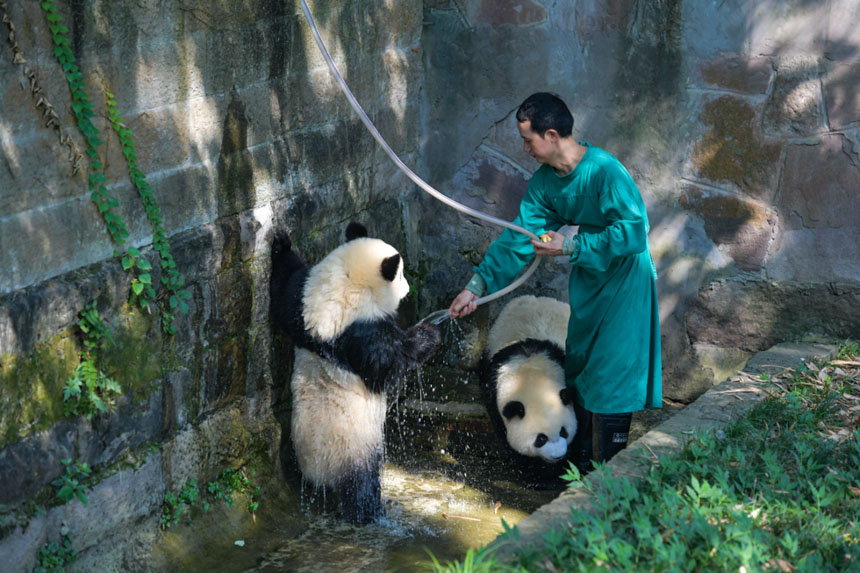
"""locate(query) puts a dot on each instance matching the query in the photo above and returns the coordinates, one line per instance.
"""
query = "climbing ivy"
(83, 110)
(142, 290)
(171, 279)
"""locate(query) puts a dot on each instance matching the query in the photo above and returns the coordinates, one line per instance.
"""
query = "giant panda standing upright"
(341, 315)
(522, 376)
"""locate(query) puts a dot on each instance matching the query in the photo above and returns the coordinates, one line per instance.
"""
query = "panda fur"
(341, 316)
(522, 377)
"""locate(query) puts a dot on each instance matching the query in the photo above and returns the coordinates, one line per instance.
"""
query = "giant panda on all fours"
(522, 378)
(341, 316)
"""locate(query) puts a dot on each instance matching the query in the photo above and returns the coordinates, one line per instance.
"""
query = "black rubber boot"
(607, 433)
(612, 430)
(581, 450)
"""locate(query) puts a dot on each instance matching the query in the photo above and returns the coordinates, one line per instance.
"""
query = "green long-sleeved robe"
(613, 338)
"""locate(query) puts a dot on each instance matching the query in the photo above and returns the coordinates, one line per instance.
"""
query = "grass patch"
(776, 491)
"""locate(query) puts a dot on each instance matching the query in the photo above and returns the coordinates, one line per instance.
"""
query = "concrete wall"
(739, 120)
(240, 130)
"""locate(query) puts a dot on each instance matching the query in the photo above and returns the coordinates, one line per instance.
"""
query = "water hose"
(417, 180)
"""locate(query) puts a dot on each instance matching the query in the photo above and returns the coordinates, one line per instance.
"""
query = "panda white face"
(535, 407)
(360, 280)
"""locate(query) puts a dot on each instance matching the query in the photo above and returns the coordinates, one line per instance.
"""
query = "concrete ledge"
(724, 403)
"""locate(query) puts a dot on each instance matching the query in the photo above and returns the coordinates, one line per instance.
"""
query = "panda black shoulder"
(526, 348)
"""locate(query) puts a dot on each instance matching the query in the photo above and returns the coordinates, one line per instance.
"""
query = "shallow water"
(444, 476)
(425, 509)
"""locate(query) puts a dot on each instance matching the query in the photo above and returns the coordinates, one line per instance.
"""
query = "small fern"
(90, 391)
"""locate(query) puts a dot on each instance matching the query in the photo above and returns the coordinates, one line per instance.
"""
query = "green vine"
(171, 279)
(83, 110)
(142, 290)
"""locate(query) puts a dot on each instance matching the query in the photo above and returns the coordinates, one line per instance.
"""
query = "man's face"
(538, 146)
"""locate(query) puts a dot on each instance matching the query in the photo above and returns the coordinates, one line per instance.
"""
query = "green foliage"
(53, 557)
(83, 110)
(776, 491)
(175, 506)
(229, 483)
(142, 290)
(89, 391)
(847, 349)
(171, 279)
(70, 484)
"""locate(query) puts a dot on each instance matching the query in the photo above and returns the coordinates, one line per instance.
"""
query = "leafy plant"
(90, 391)
(142, 290)
(232, 481)
(171, 279)
(83, 110)
(70, 484)
(848, 349)
(53, 557)
(175, 506)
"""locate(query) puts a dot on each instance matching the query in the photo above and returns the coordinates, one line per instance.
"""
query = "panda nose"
(563, 432)
(541, 440)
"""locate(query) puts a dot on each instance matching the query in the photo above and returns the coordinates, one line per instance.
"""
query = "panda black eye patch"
(541, 440)
(514, 409)
(563, 432)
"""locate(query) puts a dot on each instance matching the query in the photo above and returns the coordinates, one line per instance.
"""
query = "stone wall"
(740, 121)
(240, 130)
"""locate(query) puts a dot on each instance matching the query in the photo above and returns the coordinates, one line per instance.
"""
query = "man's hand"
(464, 304)
(552, 248)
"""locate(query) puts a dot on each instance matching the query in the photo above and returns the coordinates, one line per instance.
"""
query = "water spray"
(440, 315)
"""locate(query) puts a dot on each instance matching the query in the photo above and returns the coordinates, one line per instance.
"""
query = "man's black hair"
(546, 111)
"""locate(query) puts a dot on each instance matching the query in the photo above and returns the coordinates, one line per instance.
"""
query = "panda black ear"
(355, 230)
(389, 267)
(566, 395)
(514, 409)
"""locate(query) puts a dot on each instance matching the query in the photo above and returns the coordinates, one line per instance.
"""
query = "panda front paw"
(428, 337)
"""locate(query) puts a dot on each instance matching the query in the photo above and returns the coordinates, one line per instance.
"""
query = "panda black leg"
(361, 494)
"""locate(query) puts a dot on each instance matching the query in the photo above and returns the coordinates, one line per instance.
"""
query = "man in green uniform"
(613, 337)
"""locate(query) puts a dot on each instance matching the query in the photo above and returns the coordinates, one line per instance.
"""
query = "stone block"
(842, 94)
(787, 28)
(733, 149)
(751, 315)
(39, 167)
(46, 242)
(173, 136)
(820, 184)
(795, 104)
(737, 72)
(184, 197)
(842, 32)
(742, 224)
(807, 255)
(506, 12)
